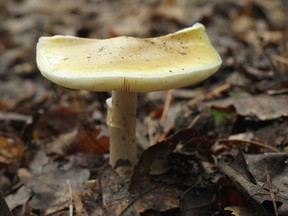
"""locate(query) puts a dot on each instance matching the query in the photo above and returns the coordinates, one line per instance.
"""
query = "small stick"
(166, 106)
(218, 90)
(281, 59)
(70, 198)
(271, 192)
(264, 145)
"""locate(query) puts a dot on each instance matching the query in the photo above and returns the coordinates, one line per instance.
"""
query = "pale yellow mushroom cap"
(127, 63)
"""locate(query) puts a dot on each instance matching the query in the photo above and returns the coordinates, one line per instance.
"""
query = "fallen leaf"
(115, 195)
(50, 188)
(11, 94)
(199, 201)
(88, 139)
(11, 149)
(19, 198)
(240, 211)
(271, 166)
(54, 122)
(274, 135)
(264, 107)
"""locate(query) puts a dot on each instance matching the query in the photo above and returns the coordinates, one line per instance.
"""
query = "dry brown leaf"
(19, 198)
(271, 166)
(11, 149)
(264, 107)
(49, 186)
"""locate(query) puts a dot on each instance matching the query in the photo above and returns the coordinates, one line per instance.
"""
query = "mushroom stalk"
(121, 120)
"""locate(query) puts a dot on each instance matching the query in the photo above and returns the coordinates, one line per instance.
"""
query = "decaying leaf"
(87, 140)
(179, 175)
(49, 185)
(199, 201)
(56, 121)
(163, 181)
(240, 211)
(20, 198)
(270, 172)
(264, 107)
(11, 149)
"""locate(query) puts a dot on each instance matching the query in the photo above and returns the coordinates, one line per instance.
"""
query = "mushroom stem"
(121, 120)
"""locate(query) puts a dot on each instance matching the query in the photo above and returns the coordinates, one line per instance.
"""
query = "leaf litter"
(217, 148)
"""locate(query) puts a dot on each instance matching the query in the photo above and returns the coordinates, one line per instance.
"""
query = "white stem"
(121, 120)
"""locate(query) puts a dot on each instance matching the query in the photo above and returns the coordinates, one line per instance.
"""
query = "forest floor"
(215, 148)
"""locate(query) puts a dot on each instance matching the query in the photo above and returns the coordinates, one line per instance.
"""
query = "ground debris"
(160, 183)
(260, 178)
(54, 141)
(263, 107)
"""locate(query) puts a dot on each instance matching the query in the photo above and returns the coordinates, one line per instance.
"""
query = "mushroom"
(126, 66)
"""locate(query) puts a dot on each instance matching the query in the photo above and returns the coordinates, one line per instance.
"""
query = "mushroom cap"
(127, 63)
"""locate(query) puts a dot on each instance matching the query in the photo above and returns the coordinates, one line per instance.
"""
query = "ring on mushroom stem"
(125, 66)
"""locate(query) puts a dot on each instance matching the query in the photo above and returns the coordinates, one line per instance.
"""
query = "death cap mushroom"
(125, 66)
(127, 63)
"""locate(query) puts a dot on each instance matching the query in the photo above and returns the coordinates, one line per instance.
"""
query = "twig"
(281, 59)
(271, 192)
(210, 94)
(251, 142)
(166, 106)
(194, 121)
(165, 133)
(70, 198)
(218, 90)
